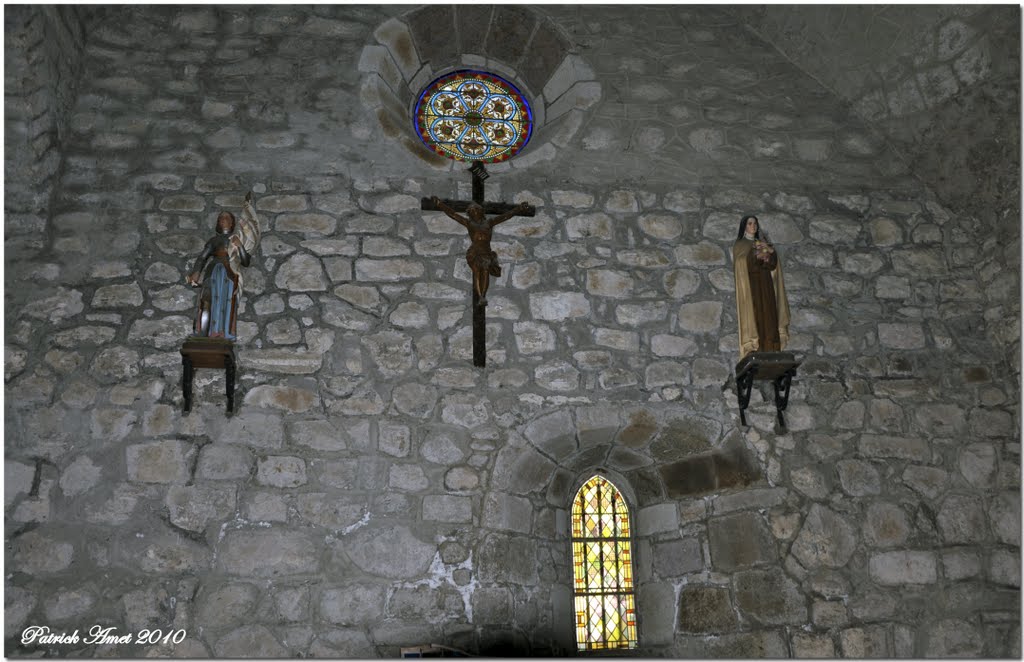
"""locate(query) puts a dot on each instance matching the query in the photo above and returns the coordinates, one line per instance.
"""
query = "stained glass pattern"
(473, 116)
(602, 568)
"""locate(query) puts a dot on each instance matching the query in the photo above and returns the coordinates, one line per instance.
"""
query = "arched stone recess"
(517, 43)
(696, 491)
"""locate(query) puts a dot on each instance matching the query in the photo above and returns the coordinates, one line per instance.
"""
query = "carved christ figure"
(482, 260)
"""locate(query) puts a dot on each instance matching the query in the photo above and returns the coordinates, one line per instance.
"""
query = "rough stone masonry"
(376, 491)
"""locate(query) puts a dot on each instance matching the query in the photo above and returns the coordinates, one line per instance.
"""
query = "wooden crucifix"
(482, 260)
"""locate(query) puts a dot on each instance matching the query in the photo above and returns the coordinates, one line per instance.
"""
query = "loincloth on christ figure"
(483, 259)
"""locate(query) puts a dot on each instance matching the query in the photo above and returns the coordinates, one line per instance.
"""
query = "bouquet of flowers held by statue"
(763, 248)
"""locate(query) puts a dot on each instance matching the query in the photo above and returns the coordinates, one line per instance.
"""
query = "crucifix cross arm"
(522, 209)
(440, 205)
(429, 204)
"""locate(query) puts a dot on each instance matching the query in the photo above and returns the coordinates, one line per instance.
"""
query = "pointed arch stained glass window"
(473, 116)
(602, 568)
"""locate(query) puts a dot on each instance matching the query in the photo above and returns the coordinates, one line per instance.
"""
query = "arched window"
(602, 568)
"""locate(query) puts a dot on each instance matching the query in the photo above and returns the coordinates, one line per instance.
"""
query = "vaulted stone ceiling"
(941, 83)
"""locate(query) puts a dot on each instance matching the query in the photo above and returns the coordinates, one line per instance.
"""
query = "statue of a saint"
(761, 305)
(482, 260)
(218, 270)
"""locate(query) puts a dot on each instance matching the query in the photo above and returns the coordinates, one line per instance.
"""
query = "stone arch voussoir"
(411, 50)
(664, 453)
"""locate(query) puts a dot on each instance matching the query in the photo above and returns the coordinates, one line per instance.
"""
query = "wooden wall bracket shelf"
(202, 352)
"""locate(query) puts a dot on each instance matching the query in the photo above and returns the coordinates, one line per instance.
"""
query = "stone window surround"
(571, 444)
(396, 69)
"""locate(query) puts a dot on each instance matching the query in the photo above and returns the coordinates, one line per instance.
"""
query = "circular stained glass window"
(473, 116)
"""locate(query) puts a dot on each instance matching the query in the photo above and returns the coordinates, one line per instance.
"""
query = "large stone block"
(286, 398)
(250, 641)
(962, 519)
(352, 604)
(329, 511)
(745, 645)
(224, 462)
(444, 445)
(161, 552)
(39, 554)
(691, 476)
(740, 541)
(193, 507)
(321, 435)
(391, 352)
(226, 606)
(389, 551)
(284, 361)
(858, 478)
(706, 610)
(657, 518)
(553, 433)
(675, 558)
(929, 481)
(886, 525)
(18, 604)
(281, 471)
(69, 604)
(557, 376)
(826, 539)
(900, 448)
(865, 642)
(1004, 568)
(447, 508)
(680, 283)
(508, 559)
(159, 462)
(507, 512)
(609, 283)
(769, 597)
(529, 472)
(903, 567)
(388, 270)
(655, 603)
(814, 646)
(685, 436)
(1004, 514)
(597, 225)
(79, 477)
(492, 606)
(559, 306)
(700, 317)
(952, 638)
(260, 429)
(301, 273)
(268, 553)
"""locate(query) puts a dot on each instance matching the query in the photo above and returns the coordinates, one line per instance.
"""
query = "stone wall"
(375, 490)
(42, 64)
(941, 82)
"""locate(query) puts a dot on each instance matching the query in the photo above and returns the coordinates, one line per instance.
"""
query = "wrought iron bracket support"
(777, 367)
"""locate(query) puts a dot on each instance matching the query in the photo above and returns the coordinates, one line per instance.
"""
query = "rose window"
(473, 116)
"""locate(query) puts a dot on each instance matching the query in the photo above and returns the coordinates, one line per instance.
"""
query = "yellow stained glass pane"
(602, 568)
(579, 566)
